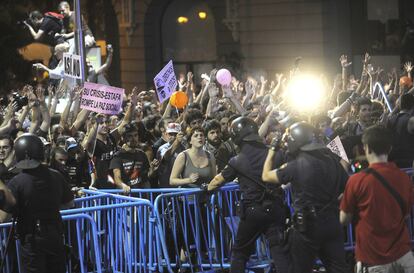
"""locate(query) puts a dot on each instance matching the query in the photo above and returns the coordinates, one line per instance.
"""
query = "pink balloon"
(223, 76)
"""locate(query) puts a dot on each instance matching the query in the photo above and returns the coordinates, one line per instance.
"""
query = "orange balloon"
(406, 81)
(179, 99)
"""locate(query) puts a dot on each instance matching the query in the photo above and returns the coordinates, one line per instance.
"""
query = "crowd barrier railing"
(126, 227)
(85, 227)
(156, 230)
(199, 229)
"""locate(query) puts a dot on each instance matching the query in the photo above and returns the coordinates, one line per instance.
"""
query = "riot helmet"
(244, 129)
(29, 151)
(302, 137)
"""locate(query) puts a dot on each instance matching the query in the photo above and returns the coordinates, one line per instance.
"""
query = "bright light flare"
(182, 20)
(305, 93)
(202, 15)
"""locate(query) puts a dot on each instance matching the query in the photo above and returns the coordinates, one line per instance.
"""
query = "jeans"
(405, 264)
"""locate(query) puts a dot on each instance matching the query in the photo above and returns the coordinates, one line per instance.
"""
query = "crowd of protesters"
(138, 147)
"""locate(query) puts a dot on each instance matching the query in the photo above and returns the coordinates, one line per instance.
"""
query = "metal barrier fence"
(199, 229)
(126, 227)
(85, 228)
(156, 230)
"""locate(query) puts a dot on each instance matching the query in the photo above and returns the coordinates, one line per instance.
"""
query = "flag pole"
(79, 40)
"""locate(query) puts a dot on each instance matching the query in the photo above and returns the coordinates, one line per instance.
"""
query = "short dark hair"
(211, 125)
(362, 101)
(191, 115)
(35, 15)
(129, 128)
(7, 137)
(193, 131)
(57, 150)
(378, 139)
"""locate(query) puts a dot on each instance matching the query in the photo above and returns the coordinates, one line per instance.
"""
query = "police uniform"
(402, 152)
(262, 213)
(39, 193)
(317, 179)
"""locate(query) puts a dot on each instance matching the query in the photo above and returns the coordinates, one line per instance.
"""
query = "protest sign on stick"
(337, 148)
(165, 82)
(72, 65)
(101, 98)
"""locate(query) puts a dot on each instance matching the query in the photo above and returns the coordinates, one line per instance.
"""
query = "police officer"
(317, 178)
(402, 124)
(262, 205)
(40, 193)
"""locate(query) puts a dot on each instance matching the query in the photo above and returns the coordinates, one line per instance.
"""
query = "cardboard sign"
(101, 98)
(337, 148)
(165, 82)
(72, 66)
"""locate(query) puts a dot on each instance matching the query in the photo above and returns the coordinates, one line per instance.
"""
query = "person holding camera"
(317, 178)
(48, 26)
(262, 209)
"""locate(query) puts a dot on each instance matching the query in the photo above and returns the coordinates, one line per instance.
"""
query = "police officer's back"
(262, 209)
(317, 179)
(40, 193)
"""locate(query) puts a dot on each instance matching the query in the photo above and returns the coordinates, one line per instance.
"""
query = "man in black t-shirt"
(130, 165)
(69, 24)
(105, 149)
(77, 166)
(48, 26)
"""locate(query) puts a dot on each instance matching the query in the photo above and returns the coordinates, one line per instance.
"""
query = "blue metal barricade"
(79, 221)
(126, 230)
(155, 230)
(184, 223)
(199, 229)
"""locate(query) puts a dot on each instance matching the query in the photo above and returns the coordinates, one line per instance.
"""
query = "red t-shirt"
(381, 235)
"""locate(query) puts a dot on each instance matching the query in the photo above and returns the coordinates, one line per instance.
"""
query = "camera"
(20, 100)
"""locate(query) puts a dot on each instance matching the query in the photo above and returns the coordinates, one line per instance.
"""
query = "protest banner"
(101, 98)
(337, 148)
(165, 82)
(72, 66)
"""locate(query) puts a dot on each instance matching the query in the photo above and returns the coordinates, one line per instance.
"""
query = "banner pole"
(79, 40)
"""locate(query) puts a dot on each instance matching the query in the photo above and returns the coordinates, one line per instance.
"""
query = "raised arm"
(36, 35)
(190, 87)
(58, 94)
(213, 93)
(108, 62)
(228, 93)
(345, 67)
(44, 126)
(73, 96)
(80, 120)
